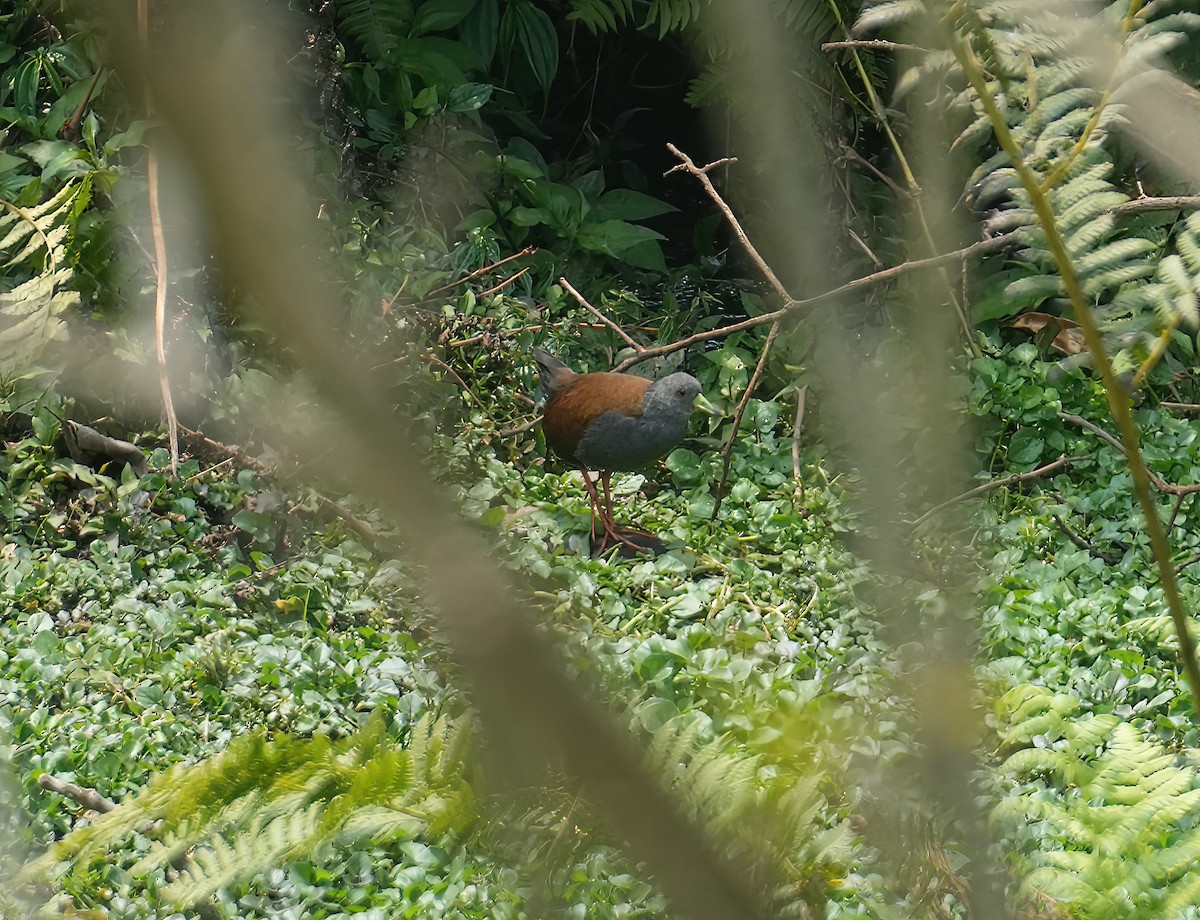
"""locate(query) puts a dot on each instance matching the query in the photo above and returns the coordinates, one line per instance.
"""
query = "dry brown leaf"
(1069, 338)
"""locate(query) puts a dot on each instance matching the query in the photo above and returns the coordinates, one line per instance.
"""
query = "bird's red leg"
(597, 510)
(610, 524)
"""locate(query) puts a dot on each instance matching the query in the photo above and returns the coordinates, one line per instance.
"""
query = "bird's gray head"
(672, 397)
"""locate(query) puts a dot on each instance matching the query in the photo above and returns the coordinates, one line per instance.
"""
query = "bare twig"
(534, 327)
(1170, 203)
(160, 260)
(505, 283)
(983, 247)
(88, 798)
(1086, 545)
(701, 173)
(520, 429)
(851, 155)
(1050, 467)
(1190, 408)
(441, 365)
(797, 427)
(727, 450)
(1161, 484)
(527, 251)
(877, 43)
(604, 319)
(1179, 500)
(867, 249)
(70, 129)
(1190, 560)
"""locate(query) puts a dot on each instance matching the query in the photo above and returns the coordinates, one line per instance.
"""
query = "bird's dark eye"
(682, 391)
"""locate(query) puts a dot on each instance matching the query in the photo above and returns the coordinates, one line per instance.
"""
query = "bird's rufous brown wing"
(588, 396)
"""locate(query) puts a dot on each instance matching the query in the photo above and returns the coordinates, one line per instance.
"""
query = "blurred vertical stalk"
(782, 134)
(216, 93)
(161, 268)
(1118, 398)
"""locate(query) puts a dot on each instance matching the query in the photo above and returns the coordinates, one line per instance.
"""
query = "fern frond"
(261, 802)
(1120, 813)
(377, 25)
(890, 13)
(599, 16)
(672, 15)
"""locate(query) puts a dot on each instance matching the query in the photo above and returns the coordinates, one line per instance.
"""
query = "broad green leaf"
(535, 34)
(626, 204)
(469, 97)
(481, 29)
(527, 217)
(614, 237)
(439, 15)
(647, 254)
(1025, 448)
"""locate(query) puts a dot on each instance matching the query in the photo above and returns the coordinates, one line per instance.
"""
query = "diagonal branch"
(982, 248)
(701, 173)
(1052, 467)
(727, 450)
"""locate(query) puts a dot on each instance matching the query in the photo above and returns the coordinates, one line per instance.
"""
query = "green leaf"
(684, 464)
(626, 204)
(527, 217)
(493, 516)
(481, 29)
(1026, 447)
(252, 522)
(11, 162)
(647, 255)
(469, 97)
(535, 34)
(590, 184)
(439, 15)
(614, 237)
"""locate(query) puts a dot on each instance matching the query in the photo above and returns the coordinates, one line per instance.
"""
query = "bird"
(612, 422)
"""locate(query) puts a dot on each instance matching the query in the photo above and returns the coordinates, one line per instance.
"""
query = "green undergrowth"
(151, 623)
(1096, 764)
(154, 623)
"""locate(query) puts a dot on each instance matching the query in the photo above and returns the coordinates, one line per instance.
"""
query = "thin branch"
(520, 429)
(1169, 203)
(527, 251)
(983, 247)
(727, 450)
(849, 154)
(1179, 500)
(88, 798)
(160, 261)
(1085, 545)
(1161, 484)
(533, 327)
(877, 43)
(701, 173)
(505, 283)
(604, 319)
(797, 427)
(1190, 560)
(1050, 467)
(1191, 408)
(447, 369)
(865, 248)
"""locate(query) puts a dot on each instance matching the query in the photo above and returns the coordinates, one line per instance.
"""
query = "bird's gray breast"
(615, 441)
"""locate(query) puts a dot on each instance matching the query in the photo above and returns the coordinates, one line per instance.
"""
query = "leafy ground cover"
(152, 622)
